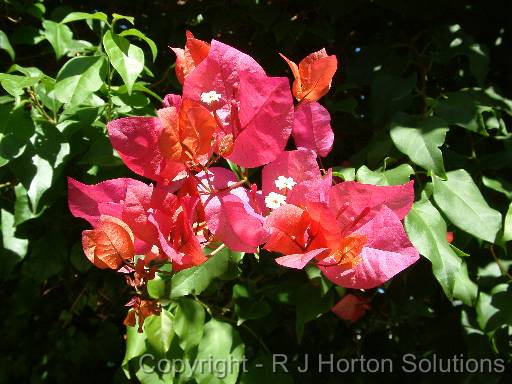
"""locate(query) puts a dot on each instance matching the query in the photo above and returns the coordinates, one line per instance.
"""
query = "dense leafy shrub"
(422, 93)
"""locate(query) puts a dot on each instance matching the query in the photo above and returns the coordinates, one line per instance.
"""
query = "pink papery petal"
(300, 165)
(172, 100)
(106, 198)
(351, 201)
(312, 128)
(135, 213)
(312, 191)
(387, 252)
(219, 72)
(351, 307)
(299, 261)
(229, 213)
(136, 141)
(266, 118)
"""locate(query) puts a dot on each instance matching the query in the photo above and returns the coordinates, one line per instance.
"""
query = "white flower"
(285, 183)
(274, 200)
(210, 97)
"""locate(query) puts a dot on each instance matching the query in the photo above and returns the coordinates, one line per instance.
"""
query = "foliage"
(422, 92)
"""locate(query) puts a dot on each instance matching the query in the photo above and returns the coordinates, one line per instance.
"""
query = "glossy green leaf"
(493, 309)
(16, 247)
(6, 45)
(498, 185)
(16, 129)
(46, 94)
(41, 181)
(135, 346)
(394, 176)
(427, 231)
(116, 17)
(159, 331)
(59, 36)
(22, 207)
(75, 16)
(465, 109)
(465, 289)
(221, 342)
(136, 33)
(126, 58)
(347, 174)
(15, 85)
(507, 227)
(79, 78)
(157, 288)
(421, 142)
(195, 280)
(461, 201)
(188, 323)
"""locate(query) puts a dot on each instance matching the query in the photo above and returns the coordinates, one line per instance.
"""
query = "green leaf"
(14, 249)
(22, 208)
(461, 201)
(395, 176)
(75, 16)
(117, 17)
(247, 307)
(222, 343)
(45, 92)
(507, 227)
(421, 142)
(427, 231)
(465, 289)
(136, 33)
(310, 304)
(135, 346)
(126, 58)
(347, 174)
(6, 45)
(499, 185)
(16, 129)
(188, 323)
(79, 78)
(465, 109)
(195, 280)
(41, 181)
(494, 309)
(59, 36)
(157, 288)
(15, 85)
(159, 331)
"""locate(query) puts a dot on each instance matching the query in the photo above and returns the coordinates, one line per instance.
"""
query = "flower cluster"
(232, 111)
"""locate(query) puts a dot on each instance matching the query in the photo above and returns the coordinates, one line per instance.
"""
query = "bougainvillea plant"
(201, 153)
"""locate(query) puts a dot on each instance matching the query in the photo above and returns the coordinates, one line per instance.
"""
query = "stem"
(504, 272)
(217, 250)
(204, 305)
(40, 108)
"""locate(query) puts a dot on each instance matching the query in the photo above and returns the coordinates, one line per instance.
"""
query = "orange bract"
(109, 244)
(313, 75)
(188, 58)
(187, 134)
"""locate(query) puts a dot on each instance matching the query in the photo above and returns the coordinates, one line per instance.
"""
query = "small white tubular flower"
(285, 183)
(210, 97)
(274, 200)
